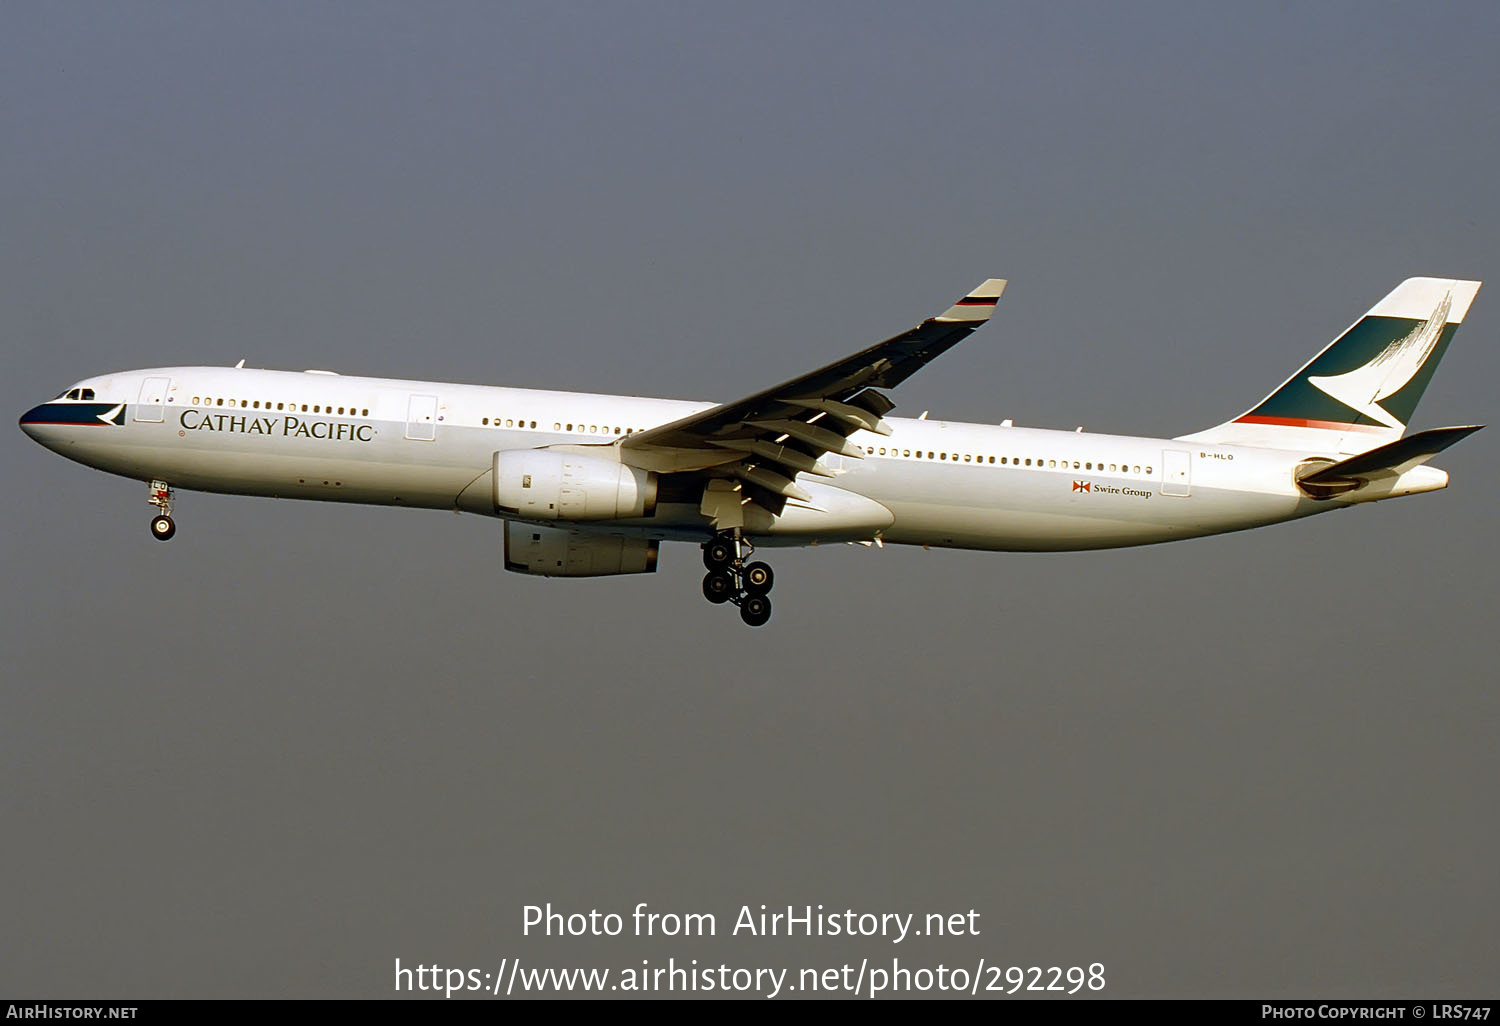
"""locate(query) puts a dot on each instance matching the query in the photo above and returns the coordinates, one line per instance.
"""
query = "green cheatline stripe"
(81, 414)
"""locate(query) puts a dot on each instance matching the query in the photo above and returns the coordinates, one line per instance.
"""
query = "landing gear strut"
(731, 579)
(162, 526)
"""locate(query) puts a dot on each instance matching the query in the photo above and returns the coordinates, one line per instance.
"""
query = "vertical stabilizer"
(1362, 389)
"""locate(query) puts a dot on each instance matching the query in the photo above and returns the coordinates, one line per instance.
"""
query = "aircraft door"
(151, 408)
(421, 418)
(1176, 472)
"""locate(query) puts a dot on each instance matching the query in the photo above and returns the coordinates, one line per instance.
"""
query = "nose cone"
(32, 420)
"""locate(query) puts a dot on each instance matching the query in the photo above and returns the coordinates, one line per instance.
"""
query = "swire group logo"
(1081, 486)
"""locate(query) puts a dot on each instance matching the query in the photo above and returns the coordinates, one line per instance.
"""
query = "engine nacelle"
(560, 552)
(549, 484)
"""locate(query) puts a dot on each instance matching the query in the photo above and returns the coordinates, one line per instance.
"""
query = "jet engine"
(561, 552)
(551, 484)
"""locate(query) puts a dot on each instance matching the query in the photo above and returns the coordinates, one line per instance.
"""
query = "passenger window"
(1028, 463)
(485, 421)
(219, 402)
(195, 400)
(556, 426)
(992, 459)
(906, 452)
(1148, 470)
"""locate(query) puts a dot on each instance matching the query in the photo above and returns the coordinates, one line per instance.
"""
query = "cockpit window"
(87, 393)
(71, 393)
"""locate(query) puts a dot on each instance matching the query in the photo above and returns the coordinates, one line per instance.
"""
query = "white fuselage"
(312, 435)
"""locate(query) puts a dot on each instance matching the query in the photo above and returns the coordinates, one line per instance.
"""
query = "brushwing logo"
(1081, 486)
(1363, 388)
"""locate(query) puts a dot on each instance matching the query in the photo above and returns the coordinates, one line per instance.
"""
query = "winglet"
(976, 307)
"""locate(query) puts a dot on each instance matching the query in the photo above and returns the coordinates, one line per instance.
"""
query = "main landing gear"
(162, 526)
(731, 579)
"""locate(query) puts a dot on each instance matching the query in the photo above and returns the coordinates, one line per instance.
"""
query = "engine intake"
(548, 484)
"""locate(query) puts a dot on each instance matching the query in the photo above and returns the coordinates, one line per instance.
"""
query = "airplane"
(590, 485)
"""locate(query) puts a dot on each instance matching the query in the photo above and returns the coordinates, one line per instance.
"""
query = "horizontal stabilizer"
(1390, 460)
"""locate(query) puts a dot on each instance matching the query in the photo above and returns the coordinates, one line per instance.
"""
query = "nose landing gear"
(162, 525)
(730, 579)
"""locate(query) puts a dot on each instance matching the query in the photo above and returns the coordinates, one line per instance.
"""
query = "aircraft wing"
(765, 440)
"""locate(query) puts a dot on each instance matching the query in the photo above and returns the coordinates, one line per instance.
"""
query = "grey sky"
(304, 740)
